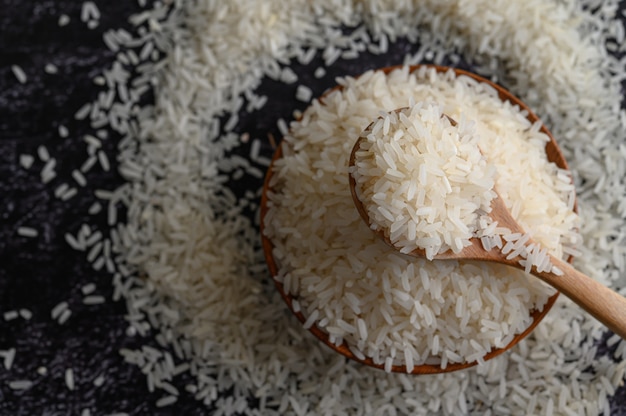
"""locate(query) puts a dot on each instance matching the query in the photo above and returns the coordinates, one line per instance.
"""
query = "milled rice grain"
(572, 75)
(19, 73)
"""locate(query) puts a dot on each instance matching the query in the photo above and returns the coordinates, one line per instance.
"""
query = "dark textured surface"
(38, 273)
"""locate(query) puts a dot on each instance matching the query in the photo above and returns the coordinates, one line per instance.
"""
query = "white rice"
(422, 180)
(69, 378)
(69, 194)
(98, 381)
(64, 20)
(10, 315)
(20, 384)
(27, 231)
(19, 73)
(93, 300)
(104, 161)
(79, 177)
(88, 289)
(48, 173)
(8, 356)
(89, 11)
(59, 309)
(63, 131)
(88, 164)
(65, 315)
(26, 161)
(51, 69)
(304, 93)
(95, 208)
(166, 401)
(83, 112)
(322, 278)
(554, 58)
(26, 314)
(43, 153)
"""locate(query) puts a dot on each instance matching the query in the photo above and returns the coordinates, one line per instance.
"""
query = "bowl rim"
(554, 155)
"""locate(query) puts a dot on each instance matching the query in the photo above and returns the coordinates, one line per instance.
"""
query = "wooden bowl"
(554, 155)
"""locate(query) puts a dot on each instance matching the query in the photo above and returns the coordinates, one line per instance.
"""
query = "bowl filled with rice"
(372, 303)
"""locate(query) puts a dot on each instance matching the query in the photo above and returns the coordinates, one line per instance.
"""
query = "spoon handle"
(603, 303)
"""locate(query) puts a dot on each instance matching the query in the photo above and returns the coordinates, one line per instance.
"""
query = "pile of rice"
(394, 309)
(214, 328)
(423, 180)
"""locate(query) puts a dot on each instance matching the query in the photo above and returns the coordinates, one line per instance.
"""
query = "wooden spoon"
(604, 304)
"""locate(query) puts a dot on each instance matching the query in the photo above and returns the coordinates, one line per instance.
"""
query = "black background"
(38, 273)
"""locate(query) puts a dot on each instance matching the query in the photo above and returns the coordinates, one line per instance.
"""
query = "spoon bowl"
(554, 155)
